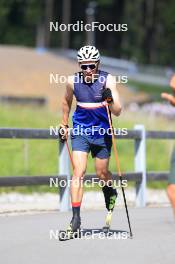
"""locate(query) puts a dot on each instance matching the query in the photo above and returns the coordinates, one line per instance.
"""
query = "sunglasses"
(86, 66)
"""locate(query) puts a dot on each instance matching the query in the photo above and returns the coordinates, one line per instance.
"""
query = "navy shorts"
(99, 147)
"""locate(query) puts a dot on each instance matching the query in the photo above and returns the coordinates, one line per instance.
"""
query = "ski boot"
(73, 230)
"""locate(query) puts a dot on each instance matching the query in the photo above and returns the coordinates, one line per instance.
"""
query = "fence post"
(64, 169)
(140, 166)
(26, 156)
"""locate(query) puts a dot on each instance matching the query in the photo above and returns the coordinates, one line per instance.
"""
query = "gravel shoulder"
(17, 202)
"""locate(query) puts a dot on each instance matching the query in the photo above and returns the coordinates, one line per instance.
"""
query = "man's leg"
(171, 195)
(80, 162)
(110, 194)
(101, 167)
(171, 181)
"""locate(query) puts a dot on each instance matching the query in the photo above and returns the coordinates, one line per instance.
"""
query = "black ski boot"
(73, 230)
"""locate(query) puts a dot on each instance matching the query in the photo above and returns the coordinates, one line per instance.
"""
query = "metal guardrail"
(46, 180)
(140, 176)
(151, 74)
(34, 101)
(30, 133)
(14, 181)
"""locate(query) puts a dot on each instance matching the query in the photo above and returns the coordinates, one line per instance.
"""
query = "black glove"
(107, 95)
(63, 132)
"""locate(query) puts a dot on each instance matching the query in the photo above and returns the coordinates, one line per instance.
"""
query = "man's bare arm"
(170, 97)
(115, 107)
(67, 102)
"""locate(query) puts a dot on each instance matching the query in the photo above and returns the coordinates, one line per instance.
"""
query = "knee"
(103, 173)
(171, 191)
(78, 173)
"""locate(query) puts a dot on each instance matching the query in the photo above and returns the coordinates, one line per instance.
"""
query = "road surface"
(29, 239)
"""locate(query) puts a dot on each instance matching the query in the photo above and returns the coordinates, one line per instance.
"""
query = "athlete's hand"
(169, 97)
(63, 132)
(107, 95)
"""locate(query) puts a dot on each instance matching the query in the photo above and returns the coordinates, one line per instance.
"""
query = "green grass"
(43, 154)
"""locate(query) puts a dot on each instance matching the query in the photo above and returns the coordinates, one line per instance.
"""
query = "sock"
(76, 208)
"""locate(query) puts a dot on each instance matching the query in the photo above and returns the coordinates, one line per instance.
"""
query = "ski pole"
(118, 167)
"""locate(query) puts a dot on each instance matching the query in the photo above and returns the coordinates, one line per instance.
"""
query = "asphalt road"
(33, 238)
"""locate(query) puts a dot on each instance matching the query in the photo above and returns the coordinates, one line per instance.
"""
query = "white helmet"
(88, 53)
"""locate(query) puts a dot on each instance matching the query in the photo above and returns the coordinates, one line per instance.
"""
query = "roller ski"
(73, 230)
(110, 195)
